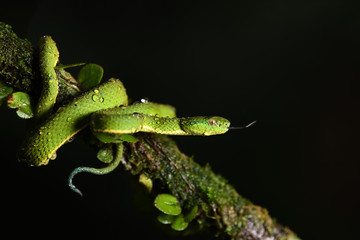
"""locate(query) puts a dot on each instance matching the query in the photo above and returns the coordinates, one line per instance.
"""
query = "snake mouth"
(242, 127)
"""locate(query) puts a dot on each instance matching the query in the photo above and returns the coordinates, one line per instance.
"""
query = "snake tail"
(98, 171)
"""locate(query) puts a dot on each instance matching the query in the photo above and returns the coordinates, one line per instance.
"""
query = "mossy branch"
(157, 157)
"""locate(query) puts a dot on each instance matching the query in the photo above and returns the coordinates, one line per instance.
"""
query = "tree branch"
(159, 159)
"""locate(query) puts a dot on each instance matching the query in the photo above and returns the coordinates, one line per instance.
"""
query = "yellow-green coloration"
(45, 139)
(49, 56)
(154, 118)
(148, 108)
(146, 182)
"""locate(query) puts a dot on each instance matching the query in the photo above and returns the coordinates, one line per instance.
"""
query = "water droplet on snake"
(53, 157)
(95, 98)
(145, 100)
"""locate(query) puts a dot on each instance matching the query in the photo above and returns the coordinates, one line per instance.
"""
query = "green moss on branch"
(158, 157)
(16, 60)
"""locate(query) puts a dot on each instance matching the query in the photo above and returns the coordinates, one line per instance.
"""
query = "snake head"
(205, 125)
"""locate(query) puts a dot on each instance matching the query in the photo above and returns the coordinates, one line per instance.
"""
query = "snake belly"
(41, 144)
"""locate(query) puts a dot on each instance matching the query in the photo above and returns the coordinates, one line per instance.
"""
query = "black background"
(290, 65)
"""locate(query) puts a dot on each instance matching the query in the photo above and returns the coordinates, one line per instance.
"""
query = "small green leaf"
(107, 138)
(146, 182)
(167, 204)
(128, 138)
(90, 76)
(179, 224)
(105, 154)
(23, 104)
(166, 219)
(191, 215)
(5, 91)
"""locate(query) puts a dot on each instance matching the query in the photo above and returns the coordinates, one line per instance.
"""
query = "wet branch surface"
(220, 207)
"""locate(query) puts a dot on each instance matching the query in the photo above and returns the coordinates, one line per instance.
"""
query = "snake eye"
(212, 122)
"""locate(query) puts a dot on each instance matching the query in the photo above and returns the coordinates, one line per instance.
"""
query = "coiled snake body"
(105, 108)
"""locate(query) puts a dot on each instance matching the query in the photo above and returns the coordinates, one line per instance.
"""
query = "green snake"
(105, 108)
